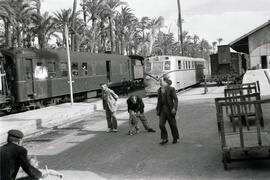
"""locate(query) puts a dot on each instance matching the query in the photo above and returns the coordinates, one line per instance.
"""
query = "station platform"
(44, 119)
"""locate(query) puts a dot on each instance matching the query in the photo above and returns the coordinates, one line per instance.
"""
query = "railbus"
(182, 71)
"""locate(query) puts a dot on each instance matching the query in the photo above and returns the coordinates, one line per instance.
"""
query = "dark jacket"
(172, 99)
(136, 107)
(13, 157)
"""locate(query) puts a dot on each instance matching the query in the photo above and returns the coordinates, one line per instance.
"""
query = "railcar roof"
(62, 54)
(182, 57)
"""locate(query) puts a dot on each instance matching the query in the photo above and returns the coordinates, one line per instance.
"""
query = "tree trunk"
(7, 33)
(112, 35)
(93, 44)
(19, 41)
(122, 44)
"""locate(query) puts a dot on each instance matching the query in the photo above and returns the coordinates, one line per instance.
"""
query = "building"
(256, 44)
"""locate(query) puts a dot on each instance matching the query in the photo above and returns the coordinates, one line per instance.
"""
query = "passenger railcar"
(182, 71)
(39, 77)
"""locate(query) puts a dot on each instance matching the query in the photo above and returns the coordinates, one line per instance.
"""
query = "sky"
(209, 19)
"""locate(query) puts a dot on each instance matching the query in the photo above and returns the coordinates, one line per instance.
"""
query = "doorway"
(108, 70)
(29, 76)
(264, 62)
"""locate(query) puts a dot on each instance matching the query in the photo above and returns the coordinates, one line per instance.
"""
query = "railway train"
(182, 71)
(36, 78)
(228, 66)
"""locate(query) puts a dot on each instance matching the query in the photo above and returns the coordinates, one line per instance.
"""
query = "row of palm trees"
(95, 26)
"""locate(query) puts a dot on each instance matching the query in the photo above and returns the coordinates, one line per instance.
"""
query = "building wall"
(259, 45)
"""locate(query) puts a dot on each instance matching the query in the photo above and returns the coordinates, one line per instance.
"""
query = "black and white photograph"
(134, 89)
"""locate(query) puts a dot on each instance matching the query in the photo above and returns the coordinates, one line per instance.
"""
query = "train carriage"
(41, 76)
(182, 71)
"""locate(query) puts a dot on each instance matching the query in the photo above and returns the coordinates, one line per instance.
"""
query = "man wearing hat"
(13, 156)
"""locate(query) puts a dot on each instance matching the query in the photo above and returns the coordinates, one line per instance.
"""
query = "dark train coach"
(226, 65)
(31, 77)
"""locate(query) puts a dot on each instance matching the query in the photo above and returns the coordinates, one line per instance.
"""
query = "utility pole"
(69, 65)
(180, 36)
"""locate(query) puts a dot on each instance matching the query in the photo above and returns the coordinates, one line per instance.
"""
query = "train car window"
(28, 68)
(147, 66)
(167, 65)
(51, 69)
(157, 67)
(185, 64)
(84, 69)
(41, 72)
(63, 69)
(74, 69)
(188, 64)
(193, 66)
(179, 64)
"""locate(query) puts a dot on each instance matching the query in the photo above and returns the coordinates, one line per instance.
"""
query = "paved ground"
(83, 150)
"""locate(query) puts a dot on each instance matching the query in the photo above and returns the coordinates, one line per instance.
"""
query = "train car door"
(108, 70)
(29, 76)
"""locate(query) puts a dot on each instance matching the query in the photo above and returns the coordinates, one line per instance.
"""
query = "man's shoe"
(151, 130)
(174, 141)
(164, 141)
(109, 130)
(115, 130)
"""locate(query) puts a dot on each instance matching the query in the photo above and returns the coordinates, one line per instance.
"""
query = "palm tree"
(164, 42)
(104, 31)
(144, 24)
(205, 48)
(155, 25)
(7, 14)
(23, 13)
(44, 27)
(94, 8)
(219, 40)
(62, 18)
(214, 46)
(124, 20)
(111, 7)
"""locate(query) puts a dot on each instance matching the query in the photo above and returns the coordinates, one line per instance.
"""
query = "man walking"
(166, 110)
(136, 111)
(14, 156)
(109, 100)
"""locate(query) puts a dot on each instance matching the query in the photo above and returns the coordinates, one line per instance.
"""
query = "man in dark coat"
(166, 110)
(136, 111)
(14, 156)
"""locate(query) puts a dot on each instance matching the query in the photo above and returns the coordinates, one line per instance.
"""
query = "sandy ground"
(84, 150)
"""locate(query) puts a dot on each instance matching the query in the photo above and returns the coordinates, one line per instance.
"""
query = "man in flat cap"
(13, 156)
